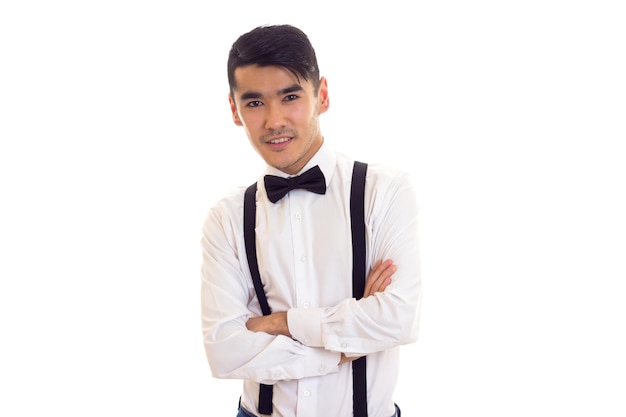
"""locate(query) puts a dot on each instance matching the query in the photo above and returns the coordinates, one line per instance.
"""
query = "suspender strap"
(357, 223)
(357, 219)
(249, 223)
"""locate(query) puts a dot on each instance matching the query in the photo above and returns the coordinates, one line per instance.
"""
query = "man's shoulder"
(230, 205)
(379, 174)
(376, 168)
(384, 173)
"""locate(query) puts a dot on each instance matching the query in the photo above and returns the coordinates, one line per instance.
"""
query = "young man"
(305, 351)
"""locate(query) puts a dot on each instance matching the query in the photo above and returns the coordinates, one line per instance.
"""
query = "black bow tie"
(311, 180)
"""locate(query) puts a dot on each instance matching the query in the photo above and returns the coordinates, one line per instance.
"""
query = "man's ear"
(322, 95)
(233, 109)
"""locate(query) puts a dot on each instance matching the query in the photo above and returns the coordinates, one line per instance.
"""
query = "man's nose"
(275, 117)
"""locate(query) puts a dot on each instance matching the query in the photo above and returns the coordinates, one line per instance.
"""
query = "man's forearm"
(275, 324)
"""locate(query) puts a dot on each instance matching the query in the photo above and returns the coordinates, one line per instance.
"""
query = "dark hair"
(282, 45)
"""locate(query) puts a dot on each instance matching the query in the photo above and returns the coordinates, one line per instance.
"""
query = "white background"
(116, 139)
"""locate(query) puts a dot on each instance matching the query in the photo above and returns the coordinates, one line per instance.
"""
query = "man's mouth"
(278, 140)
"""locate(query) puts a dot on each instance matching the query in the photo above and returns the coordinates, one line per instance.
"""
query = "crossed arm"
(276, 323)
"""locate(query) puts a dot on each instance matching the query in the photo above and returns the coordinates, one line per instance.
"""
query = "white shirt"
(304, 254)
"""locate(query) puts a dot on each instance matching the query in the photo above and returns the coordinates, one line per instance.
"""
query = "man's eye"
(254, 104)
(291, 97)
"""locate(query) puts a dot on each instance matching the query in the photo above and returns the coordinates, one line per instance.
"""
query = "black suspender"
(249, 222)
(357, 223)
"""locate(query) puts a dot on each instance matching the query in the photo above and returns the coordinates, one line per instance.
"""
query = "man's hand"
(379, 278)
(346, 359)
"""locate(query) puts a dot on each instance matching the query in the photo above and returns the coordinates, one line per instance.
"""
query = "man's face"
(280, 114)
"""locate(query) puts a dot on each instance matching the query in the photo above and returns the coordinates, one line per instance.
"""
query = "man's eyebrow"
(290, 89)
(253, 95)
(250, 95)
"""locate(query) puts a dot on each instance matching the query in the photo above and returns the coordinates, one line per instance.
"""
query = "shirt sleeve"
(226, 296)
(386, 319)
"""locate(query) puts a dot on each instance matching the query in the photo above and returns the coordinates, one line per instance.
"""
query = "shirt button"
(298, 216)
(303, 259)
(321, 368)
(344, 345)
(307, 393)
(307, 340)
(305, 305)
(277, 375)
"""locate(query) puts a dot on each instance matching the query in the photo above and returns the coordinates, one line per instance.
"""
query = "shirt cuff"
(322, 362)
(305, 325)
